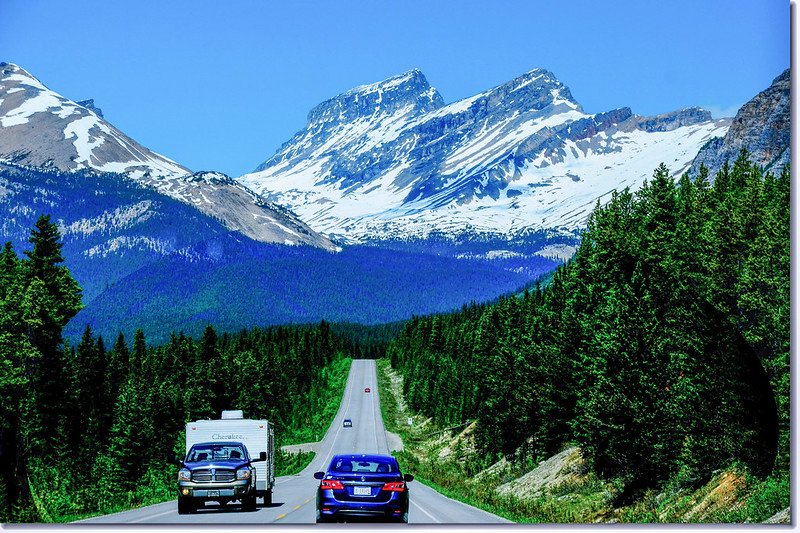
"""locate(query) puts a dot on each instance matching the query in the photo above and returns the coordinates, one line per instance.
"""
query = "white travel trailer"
(257, 436)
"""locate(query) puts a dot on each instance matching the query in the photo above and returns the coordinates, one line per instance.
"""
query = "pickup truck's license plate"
(213, 494)
(362, 491)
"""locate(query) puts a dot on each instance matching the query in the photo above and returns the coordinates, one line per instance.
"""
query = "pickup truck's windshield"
(214, 452)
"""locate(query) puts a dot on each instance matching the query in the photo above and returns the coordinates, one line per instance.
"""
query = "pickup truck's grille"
(209, 475)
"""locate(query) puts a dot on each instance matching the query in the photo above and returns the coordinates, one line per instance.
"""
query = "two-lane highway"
(294, 496)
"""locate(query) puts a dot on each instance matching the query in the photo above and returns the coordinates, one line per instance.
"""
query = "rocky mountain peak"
(688, 116)
(783, 81)
(533, 93)
(89, 104)
(11, 68)
(408, 93)
(762, 126)
(540, 80)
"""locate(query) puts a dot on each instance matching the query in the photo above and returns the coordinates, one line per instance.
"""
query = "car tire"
(186, 506)
(268, 497)
(249, 503)
(397, 520)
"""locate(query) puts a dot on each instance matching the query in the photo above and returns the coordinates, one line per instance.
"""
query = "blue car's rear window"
(364, 466)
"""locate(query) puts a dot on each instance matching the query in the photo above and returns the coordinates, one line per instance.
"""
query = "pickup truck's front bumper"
(215, 491)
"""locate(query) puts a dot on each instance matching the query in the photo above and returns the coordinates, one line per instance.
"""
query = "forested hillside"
(146, 261)
(97, 427)
(237, 284)
(661, 348)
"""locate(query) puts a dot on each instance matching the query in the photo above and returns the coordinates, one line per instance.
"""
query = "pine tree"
(52, 297)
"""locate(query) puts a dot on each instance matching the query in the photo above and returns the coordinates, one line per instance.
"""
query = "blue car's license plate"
(213, 494)
(362, 491)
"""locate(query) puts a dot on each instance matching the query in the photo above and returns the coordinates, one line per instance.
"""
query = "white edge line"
(415, 504)
(171, 511)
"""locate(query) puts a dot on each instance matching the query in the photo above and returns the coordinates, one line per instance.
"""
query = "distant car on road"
(347, 423)
(363, 486)
(367, 390)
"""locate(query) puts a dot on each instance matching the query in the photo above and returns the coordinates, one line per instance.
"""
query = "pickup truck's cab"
(217, 471)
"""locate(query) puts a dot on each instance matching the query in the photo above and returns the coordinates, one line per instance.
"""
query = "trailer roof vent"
(231, 415)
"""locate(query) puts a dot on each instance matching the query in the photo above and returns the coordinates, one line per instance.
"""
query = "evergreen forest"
(96, 427)
(661, 348)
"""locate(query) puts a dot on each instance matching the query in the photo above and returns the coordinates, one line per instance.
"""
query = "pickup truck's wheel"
(249, 503)
(185, 506)
(268, 497)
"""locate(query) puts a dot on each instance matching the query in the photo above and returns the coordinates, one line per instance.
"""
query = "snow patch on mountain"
(111, 220)
(126, 243)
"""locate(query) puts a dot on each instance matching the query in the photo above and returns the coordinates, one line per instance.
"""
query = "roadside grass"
(422, 442)
(448, 478)
(731, 496)
(289, 464)
(62, 502)
(320, 406)
(316, 419)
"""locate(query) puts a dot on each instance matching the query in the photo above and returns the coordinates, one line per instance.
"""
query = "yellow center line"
(296, 507)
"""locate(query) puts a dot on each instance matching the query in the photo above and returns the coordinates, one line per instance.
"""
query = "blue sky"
(220, 85)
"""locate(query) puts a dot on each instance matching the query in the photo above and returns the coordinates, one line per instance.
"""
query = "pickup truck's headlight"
(184, 475)
(243, 473)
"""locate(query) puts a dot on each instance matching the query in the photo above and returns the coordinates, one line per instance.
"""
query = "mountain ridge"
(494, 162)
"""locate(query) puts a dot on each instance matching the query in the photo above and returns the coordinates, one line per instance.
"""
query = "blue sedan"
(362, 486)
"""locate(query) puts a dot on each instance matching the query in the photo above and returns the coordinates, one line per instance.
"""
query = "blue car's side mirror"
(408, 477)
(319, 475)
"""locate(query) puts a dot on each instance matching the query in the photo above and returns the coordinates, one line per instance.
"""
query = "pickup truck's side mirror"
(261, 458)
(178, 461)
(408, 477)
(319, 475)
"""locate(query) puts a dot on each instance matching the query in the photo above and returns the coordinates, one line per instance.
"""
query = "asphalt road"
(294, 496)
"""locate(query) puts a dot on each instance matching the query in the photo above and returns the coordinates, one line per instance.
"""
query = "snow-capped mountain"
(391, 160)
(41, 128)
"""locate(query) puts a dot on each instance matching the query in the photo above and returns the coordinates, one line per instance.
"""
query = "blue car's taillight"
(395, 486)
(331, 484)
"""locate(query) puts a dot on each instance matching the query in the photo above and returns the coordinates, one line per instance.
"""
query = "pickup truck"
(220, 471)
(257, 436)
